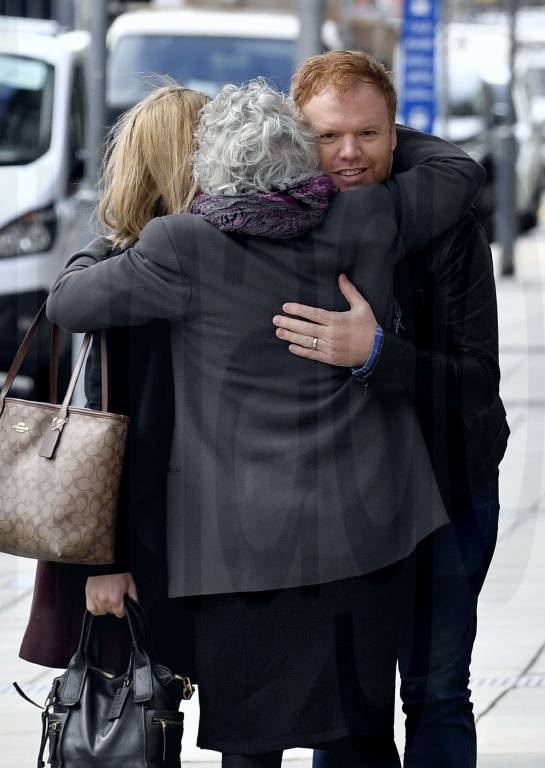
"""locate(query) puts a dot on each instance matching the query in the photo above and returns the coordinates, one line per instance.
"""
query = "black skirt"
(298, 667)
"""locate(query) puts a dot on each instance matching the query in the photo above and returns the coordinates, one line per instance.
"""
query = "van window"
(76, 126)
(202, 63)
(466, 96)
(26, 109)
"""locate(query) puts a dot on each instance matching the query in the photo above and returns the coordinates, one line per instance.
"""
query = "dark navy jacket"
(444, 359)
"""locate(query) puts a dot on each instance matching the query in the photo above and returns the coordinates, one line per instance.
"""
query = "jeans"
(358, 752)
(435, 654)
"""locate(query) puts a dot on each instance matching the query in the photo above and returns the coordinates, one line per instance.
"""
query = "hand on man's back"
(343, 338)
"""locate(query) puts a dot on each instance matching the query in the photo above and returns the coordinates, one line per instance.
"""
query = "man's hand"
(104, 594)
(338, 338)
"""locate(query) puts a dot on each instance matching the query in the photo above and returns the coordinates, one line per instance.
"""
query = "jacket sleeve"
(459, 355)
(436, 188)
(98, 250)
(416, 205)
(143, 283)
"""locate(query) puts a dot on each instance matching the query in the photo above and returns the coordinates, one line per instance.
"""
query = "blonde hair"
(147, 166)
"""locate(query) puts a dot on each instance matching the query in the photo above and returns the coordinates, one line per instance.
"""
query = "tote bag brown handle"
(52, 435)
(54, 366)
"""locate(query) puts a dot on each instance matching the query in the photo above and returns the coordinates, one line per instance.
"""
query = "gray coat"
(282, 472)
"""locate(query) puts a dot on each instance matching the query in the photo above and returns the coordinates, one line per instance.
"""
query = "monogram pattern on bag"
(64, 508)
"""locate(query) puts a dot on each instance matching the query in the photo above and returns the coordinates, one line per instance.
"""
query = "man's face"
(356, 136)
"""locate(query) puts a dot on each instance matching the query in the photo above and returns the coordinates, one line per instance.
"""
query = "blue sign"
(418, 42)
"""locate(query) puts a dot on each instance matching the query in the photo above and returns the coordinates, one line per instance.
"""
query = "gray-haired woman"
(293, 495)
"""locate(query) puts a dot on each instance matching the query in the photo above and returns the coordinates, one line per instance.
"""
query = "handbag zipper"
(164, 722)
(54, 729)
(104, 673)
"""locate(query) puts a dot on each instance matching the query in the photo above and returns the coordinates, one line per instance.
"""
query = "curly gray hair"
(251, 138)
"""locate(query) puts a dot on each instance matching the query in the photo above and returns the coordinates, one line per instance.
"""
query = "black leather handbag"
(94, 718)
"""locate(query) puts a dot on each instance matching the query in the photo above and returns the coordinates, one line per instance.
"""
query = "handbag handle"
(51, 437)
(136, 619)
(54, 354)
(139, 666)
(137, 615)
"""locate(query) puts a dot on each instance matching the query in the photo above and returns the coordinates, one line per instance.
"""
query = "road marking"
(523, 403)
(508, 681)
(519, 681)
(488, 681)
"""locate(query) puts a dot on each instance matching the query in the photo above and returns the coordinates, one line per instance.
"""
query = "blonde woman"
(146, 172)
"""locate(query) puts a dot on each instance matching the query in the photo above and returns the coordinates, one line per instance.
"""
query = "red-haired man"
(443, 357)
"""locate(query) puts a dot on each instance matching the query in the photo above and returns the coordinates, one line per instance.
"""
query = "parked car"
(531, 71)
(42, 115)
(478, 111)
(201, 49)
(529, 161)
(468, 125)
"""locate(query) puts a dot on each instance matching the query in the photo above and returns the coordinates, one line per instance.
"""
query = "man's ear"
(394, 136)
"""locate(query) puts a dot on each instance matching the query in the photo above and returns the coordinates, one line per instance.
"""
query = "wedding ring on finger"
(315, 343)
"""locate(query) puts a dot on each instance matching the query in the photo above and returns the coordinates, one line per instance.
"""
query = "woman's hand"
(104, 594)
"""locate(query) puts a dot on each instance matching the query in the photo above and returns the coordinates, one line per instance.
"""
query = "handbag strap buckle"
(58, 423)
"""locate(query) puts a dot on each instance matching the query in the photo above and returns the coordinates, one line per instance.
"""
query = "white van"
(201, 49)
(42, 117)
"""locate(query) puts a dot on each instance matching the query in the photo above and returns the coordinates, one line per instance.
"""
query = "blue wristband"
(367, 367)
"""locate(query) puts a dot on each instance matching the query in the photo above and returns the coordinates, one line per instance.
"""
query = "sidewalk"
(508, 671)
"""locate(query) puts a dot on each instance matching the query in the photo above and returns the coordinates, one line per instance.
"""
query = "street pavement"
(508, 669)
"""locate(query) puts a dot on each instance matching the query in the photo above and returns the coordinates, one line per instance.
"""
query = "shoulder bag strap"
(53, 377)
(20, 356)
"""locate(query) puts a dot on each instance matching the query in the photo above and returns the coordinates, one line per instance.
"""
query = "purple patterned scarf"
(269, 214)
